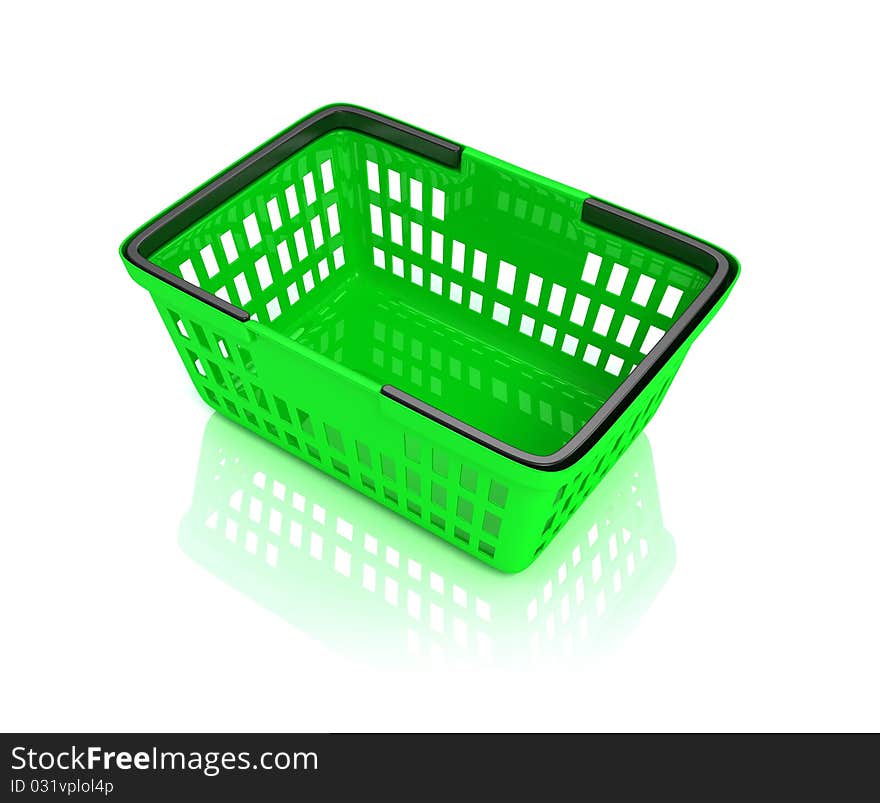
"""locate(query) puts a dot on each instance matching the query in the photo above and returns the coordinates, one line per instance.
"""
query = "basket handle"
(149, 239)
(721, 268)
(650, 234)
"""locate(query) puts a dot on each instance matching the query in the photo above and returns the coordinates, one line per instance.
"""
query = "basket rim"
(721, 267)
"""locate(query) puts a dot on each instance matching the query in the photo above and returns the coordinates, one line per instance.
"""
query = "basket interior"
(478, 290)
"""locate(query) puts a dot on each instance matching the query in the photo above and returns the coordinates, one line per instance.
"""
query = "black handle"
(149, 239)
(655, 236)
(719, 265)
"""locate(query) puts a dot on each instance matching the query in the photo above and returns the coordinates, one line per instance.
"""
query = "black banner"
(171, 767)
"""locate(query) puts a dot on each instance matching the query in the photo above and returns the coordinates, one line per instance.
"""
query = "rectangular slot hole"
(327, 176)
(229, 249)
(309, 186)
(557, 299)
(373, 176)
(252, 230)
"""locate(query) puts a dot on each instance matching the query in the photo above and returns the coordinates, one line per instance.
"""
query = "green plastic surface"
(477, 290)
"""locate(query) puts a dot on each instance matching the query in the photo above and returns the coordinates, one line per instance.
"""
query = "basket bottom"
(424, 351)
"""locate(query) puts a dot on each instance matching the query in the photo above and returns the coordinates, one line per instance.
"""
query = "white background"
(754, 127)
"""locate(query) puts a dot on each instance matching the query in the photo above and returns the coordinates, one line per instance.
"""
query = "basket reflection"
(364, 581)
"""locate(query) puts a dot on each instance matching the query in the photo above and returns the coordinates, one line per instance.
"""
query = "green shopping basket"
(468, 343)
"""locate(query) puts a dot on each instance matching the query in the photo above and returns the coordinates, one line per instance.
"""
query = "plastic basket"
(466, 342)
(367, 583)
